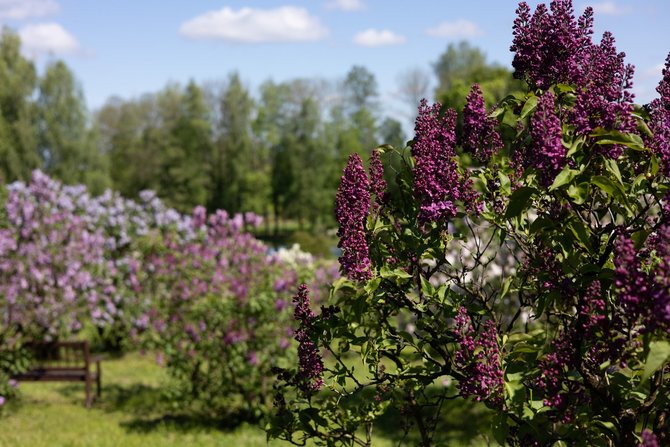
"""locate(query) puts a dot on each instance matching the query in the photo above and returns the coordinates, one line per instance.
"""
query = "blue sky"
(129, 47)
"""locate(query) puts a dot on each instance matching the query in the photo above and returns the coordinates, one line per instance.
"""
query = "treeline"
(278, 152)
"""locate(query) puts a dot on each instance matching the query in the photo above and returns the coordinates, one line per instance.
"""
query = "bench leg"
(88, 391)
(98, 381)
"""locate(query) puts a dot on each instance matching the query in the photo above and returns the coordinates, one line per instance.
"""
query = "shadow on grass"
(153, 411)
(459, 423)
(134, 399)
(183, 423)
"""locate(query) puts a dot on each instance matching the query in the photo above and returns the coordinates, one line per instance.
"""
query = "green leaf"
(659, 353)
(581, 233)
(578, 193)
(608, 186)
(563, 178)
(529, 106)
(613, 168)
(393, 274)
(518, 201)
(505, 184)
(630, 140)
(426, 287)
(506, 286)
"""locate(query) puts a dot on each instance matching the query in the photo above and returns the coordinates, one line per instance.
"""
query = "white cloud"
(376, 38)
(24, 9)
(248, 25)
(655, 72)
(346, 5)
(47, 38)
(610, 8)
(460, 28)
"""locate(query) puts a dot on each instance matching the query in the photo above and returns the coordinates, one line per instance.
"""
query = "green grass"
(133, 413)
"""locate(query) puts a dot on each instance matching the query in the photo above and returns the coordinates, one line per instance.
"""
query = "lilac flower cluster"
(649, 439)
(546, 152)
(553, 369)
(551, 47)
(437, 183)
(310, 363)
(377, 182)
(50, 261)
(606, 100)
(352, 206)
(660, 120)
(478, 358)
(644, 285)
(480, 136)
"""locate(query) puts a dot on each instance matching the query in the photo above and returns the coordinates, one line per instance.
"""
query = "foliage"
(536, 283)
(220, 310)
(202, 290)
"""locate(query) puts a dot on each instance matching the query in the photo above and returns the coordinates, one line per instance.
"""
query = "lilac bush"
(201, 290)
(221, 312)
(535, 284)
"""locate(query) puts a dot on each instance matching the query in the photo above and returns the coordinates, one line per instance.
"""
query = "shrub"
(536, 281)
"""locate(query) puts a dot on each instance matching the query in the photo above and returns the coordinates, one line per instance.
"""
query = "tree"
(66, 144)
(18, 117)
(360, 88)
(185, 171)
(413, 86)
(462, 65)
(239, 169)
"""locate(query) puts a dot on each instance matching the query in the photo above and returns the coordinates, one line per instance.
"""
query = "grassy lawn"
(132, 413)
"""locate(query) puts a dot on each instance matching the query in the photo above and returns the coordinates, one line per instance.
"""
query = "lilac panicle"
(660, 120)
(437, 183)
(310, 364)
(478, 357)
(479, 133)
(643, 295)
(552, 47)
(377, 182)
(633, 284)
(352, 206)
(547, 152)
(649, 439)
(549, 45)
(606, 100)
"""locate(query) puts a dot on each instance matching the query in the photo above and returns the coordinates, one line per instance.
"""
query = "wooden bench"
(63, 362)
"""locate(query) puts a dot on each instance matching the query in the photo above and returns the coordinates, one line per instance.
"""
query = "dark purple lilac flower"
(437, 183)
(479, 134)
(550, 44)
(632, 283)
(660, 120)
(552, 47)
(310, 364)
(605, 99)
(547, 153)
(649, 439)
(661, 304)
(377, 182)
(478, 357)
(352, 206)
